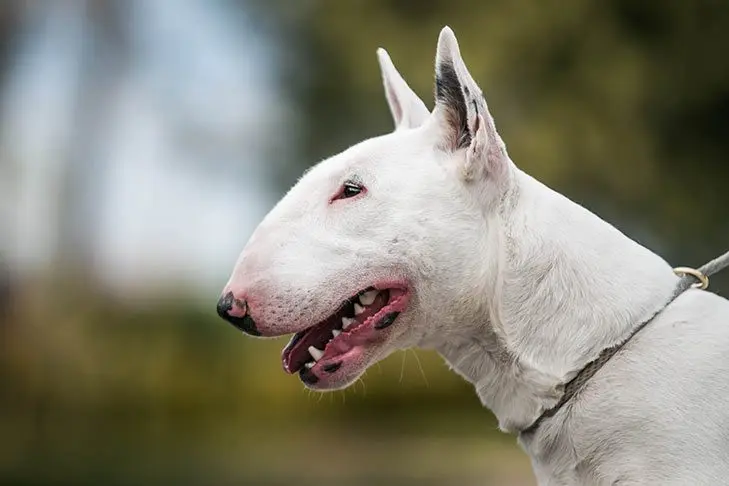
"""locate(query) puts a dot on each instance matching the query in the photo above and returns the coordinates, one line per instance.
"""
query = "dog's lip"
(374, 329)
(355, 360)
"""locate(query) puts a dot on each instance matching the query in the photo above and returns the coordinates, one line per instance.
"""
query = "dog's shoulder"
(660, 404)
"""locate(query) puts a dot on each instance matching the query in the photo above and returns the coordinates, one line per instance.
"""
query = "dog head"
(382, 246)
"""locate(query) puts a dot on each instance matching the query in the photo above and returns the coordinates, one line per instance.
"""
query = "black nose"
(244, 322)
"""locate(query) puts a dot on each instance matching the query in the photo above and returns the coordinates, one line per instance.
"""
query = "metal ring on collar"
(703, 280)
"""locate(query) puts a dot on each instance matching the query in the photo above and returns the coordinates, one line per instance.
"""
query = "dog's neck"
(566, 285)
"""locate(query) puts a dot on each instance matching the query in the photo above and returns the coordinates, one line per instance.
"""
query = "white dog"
(430, 236)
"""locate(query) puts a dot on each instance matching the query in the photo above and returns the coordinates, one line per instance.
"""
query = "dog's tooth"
(336, 332)
(368, 297)
(310, 364)
(315, 353)
(346, 322)
(358, 309)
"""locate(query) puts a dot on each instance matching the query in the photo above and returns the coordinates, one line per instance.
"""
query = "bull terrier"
(430, 236)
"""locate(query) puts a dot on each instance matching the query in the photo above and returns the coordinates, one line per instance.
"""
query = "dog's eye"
(349, 189)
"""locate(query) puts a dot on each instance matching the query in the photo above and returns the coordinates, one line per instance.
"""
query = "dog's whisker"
(420, 365)
(402, 366)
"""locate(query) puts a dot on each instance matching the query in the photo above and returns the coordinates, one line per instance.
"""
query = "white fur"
(515, 285)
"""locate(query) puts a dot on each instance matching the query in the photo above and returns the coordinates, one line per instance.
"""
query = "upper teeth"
(315, 353)
(368, 297)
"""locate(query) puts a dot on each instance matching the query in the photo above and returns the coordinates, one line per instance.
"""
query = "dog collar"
(690, 278)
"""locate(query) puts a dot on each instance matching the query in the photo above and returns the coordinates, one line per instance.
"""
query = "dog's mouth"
(332, 346)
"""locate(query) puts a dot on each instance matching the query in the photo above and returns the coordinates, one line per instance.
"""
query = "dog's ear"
(408, 110)
(462, 114)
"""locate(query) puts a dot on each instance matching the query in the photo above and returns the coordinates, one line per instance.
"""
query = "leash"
(690, 278)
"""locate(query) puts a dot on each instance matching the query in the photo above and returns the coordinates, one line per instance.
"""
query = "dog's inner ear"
(451, 95)
(457, 96)
(408, 110)
(462, 114)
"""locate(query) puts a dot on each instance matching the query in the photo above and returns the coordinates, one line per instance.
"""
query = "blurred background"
(142, 141)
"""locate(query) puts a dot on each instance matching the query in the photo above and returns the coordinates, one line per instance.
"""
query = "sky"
(165, 138)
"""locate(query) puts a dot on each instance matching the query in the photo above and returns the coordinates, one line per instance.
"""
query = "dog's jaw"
(334, 353)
